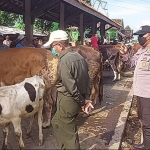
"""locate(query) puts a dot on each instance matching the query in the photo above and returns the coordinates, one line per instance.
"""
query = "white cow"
(21, 100)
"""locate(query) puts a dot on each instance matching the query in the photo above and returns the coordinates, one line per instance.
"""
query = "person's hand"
(87, 107)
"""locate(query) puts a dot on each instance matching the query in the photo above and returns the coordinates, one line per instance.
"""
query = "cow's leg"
(48, 111)
(5, 134)
(100, 79)
(96, 90)
(30, 126)
(48, 106)
(17, 127)
(40, 121)
(115, 75)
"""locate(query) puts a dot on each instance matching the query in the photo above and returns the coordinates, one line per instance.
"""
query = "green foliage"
(19, 23)
(44, 26)
(11, 19)
(88, 1)
(8, 19)
(127, 28)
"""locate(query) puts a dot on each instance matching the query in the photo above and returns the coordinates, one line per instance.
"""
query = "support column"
(28, 23)
(94, 26)
(102, 31)
(81, 28)
(62, 16)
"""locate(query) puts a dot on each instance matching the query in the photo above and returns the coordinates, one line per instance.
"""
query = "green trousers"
(63, 123)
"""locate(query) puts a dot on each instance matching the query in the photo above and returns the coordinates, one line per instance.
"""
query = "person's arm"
(70, 83)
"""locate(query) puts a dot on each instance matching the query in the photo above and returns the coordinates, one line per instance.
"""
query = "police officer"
(141, 84)
(73, 88)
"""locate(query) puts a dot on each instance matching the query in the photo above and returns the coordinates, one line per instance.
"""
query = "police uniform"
(141, 87)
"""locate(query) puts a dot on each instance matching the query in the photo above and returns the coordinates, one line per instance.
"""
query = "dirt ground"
(132, 132)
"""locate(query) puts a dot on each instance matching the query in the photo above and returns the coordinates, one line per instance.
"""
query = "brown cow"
(112, 54)
(15, 69)
(94, 60)
(16, 64)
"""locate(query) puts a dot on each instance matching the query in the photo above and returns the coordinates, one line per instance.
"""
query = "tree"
(88, 1)
(15, 20)
(8, 19)
(127, 28)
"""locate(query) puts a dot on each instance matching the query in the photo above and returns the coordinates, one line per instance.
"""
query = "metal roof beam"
(12, 5)
(92, 12)
(42, 8)
(72, 17)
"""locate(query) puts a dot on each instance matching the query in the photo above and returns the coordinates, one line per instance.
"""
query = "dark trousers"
(63, 123)
(143, 108)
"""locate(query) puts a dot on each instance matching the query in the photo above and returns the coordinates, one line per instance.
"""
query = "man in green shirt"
(73, 88)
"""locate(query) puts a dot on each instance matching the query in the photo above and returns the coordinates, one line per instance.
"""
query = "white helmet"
(58, 35)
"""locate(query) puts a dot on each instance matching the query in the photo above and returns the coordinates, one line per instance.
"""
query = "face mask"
(54, 52)
(142, 40)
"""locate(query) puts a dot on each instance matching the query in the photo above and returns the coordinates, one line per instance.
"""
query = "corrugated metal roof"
(10, 30)
(50, 10)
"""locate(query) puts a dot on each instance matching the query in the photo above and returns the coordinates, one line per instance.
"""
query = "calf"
(21, 100)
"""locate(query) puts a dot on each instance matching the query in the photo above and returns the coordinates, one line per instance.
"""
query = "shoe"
(139, 146)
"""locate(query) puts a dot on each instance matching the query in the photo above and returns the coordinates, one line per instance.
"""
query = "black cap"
(143, 30)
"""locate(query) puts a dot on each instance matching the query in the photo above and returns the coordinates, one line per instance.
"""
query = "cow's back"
(16, 64)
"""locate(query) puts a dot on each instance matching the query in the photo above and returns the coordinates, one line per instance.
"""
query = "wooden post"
(94, 26)
(81, 28)
(102, 31)
(62, 16)
(28, 24)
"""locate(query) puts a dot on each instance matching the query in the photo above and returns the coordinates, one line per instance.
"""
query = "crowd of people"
(21, 41)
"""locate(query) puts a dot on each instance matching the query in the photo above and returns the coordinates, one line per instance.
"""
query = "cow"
(16, 64)
(111, 54)
(21, 100)
(94, 61)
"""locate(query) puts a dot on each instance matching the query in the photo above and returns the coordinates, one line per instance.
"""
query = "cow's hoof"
(45, 125)
(4, 147)
(40, 142)
(86, 115)
(114, 80)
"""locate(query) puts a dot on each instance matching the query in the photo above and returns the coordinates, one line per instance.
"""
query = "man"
(34, 43)
(73, 88)
(2, 46)
(21, 41)
(94, 41)
(141, 84)
(7, 41)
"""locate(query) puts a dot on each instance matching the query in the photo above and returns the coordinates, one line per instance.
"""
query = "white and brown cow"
(21, 100)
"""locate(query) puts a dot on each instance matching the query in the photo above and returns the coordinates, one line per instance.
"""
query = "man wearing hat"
(141, 84)
(21, 41)
(73, 88)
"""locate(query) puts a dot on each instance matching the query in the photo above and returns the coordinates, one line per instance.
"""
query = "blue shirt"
(19, 45)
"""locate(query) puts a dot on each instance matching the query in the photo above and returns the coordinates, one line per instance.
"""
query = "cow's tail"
(101, 79)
